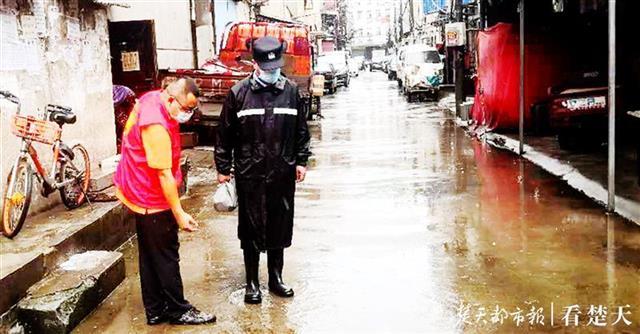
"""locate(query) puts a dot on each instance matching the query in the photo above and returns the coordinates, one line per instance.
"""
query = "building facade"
(57, 52)
(371, 23)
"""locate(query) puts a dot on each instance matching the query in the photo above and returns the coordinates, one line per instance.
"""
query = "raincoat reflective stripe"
(250, 112)
(257, 112)
(285, 111)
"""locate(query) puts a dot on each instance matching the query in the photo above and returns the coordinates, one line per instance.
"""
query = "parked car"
(354, 67)
(420, 71)
(328, 71)
(392, 68)
(377, 60)
(234, 63)
(385, 64)
(576, 111)
(360, 61)
(339, 61)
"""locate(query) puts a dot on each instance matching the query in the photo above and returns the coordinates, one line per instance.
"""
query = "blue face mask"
(269, 77)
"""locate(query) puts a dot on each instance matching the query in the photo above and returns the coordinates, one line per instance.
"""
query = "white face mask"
(183, 117)
(269, 77)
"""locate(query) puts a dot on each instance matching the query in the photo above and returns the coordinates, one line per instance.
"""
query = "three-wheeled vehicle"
(420, 71)
(234, 63)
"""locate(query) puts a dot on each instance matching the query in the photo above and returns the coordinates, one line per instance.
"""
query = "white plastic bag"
(225, 199)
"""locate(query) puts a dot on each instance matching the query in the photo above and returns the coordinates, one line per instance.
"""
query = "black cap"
(267, 52)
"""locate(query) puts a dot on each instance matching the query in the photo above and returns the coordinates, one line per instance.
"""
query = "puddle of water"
(403, 219)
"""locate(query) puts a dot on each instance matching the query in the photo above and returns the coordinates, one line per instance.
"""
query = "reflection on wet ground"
(405, 224)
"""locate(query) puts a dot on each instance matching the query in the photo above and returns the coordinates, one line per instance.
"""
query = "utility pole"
(395, 26)
(611, 165)
(411, 18)
(400, 21)
(522, 81)
(459, 63)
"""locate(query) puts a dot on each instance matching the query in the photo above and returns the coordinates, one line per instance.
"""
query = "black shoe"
(275, 262)
(252, 293)
(158, 319)
(193, 317)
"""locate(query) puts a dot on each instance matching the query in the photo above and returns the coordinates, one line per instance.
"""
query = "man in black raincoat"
(264, 137)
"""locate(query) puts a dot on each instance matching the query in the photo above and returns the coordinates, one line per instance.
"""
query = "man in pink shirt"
(146, 182)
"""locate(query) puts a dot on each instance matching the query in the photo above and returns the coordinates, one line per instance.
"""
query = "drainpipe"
(194, 38)
(611, 203)
(213, 27)
(522, 60)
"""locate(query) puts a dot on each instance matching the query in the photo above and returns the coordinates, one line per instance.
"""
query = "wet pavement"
(407, 225)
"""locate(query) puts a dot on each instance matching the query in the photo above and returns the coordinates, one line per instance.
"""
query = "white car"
(392, 68)
(354, 67)
(420, 71)
(339, 60)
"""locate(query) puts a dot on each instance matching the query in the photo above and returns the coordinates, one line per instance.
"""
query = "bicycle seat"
(63, 117)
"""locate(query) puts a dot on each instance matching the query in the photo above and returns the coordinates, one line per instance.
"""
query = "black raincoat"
(263, 135)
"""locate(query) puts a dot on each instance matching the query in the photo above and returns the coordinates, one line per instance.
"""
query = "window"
(417, 57)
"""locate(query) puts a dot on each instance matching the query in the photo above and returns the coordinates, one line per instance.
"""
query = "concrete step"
(60, 301)
(100, 180)
(102, 177)
(50, 238)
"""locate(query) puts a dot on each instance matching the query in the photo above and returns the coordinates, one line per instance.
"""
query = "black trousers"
(159, 260)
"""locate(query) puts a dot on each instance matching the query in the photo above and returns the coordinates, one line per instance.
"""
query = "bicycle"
(70, 171)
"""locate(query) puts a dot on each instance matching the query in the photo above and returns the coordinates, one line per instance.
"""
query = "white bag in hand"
(225, 199)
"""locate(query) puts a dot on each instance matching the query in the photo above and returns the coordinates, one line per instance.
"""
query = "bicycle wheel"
(17, 199)
(78, 169)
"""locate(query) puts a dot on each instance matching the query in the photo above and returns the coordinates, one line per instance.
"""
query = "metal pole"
(411, 18)
(213, 27)
(459, 65)
(522, 59)
(611, 204)
(481, 23)
(194, 36)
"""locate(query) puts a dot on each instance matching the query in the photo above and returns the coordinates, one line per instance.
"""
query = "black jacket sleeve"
(227, 133)
(303, 138)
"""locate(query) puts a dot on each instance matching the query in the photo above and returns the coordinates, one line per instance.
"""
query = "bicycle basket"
(30, 128)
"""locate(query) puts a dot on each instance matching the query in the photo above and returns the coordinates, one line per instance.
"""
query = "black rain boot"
(252, 293)
(275, 262)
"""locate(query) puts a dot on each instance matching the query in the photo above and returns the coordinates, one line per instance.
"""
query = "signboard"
(433, 6)
(455, 34)
(130, 61)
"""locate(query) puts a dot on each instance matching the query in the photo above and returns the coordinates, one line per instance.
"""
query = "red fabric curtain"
(496, 104)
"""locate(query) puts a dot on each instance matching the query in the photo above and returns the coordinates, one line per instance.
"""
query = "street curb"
(626, 208)
(569, 174)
